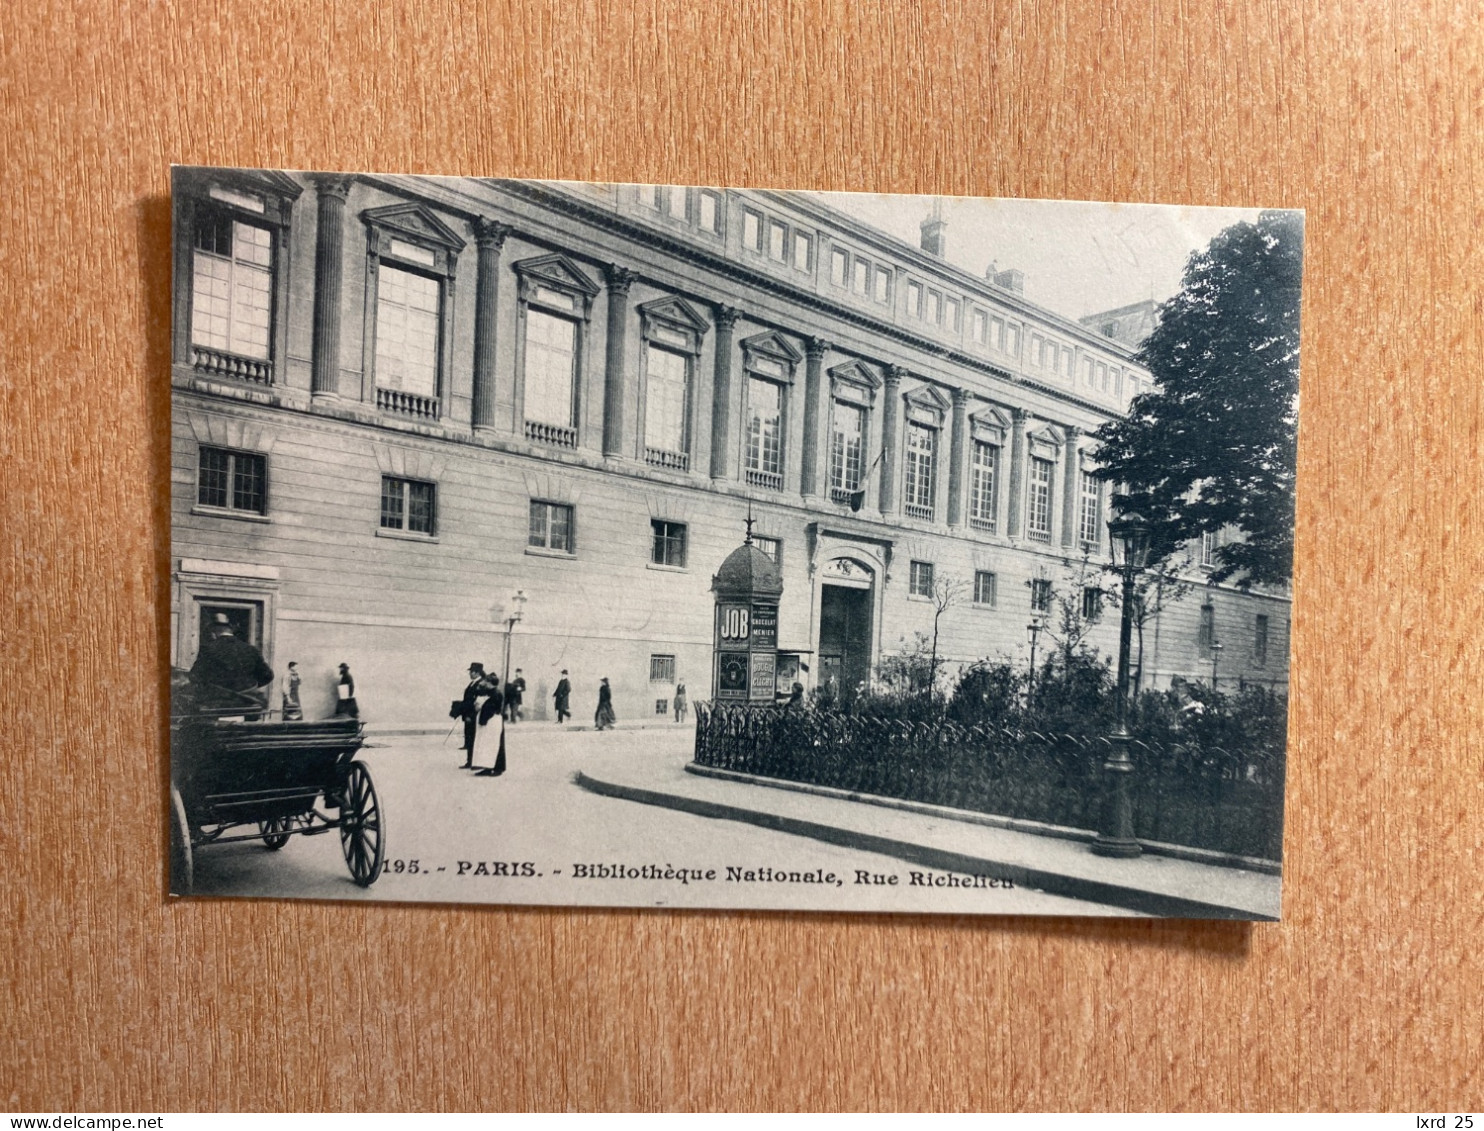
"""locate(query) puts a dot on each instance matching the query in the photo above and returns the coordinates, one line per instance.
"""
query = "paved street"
(527, 836)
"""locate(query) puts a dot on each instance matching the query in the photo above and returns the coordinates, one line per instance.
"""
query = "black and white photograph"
(624, 545)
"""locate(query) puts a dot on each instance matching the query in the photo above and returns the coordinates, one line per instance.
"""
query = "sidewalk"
(940, 839)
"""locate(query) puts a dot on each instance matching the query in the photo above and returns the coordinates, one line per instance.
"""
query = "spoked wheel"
(360, 826)
(275, 832)
(182, 862)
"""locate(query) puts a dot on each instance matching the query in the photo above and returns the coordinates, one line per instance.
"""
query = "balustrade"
(407, 404)
(220, 363)
(674, 461)
(558, 435)
(772, 480)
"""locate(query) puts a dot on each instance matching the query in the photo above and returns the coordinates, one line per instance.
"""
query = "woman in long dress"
(605, 717)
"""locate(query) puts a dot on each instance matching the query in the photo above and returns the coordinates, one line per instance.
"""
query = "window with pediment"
(925, 413)
(556, 299)
(411, 257)
(769, 361)
(986, 437)
(853, 390)
(231, 289)
(672, 331)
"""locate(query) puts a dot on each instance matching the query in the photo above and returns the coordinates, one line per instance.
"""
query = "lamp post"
(1215, 655)
(1034, 628)
(513, 613)
(1130, 545)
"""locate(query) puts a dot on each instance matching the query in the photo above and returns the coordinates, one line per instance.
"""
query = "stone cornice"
(548, 196)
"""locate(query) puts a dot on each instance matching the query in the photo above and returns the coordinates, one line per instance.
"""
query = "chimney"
(1009, 280)
(932, 230)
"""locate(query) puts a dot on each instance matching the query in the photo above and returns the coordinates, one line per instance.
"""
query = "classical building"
(417, 419)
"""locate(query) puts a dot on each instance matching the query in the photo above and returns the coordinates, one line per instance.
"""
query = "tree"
(1215, 444)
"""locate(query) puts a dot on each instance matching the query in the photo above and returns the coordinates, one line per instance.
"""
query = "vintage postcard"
(660, 546)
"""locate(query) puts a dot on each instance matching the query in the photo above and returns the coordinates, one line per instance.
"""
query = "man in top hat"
(230, 672)
(474, 713)
(563, 698)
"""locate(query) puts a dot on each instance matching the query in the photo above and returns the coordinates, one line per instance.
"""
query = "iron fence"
(1204, 797)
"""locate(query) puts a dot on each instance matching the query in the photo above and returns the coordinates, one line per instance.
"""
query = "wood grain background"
(1367, 995)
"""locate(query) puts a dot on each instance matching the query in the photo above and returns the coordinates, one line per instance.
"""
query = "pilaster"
(956, 458)
(721, 394)
(814, 351)
(891, 409)
(620, 279)
(1017, 471)
(329, 248)
(490, 236)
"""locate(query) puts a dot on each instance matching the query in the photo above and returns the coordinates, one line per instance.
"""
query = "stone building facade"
(408, 411)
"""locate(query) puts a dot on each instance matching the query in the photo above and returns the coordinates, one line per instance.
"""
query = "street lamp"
(1130, 547)
(513, 612)
(1215, 655)
(1034, 628)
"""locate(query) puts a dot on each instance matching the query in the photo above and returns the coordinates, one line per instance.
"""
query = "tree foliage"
(1215, 444)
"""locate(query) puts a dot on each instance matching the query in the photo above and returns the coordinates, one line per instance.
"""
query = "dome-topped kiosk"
(748, 587)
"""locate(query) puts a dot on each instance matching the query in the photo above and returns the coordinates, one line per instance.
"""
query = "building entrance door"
(844, 640)
(245, 617)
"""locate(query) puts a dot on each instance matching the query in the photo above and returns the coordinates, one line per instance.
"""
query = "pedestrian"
(479, 703)
(230, 673)
(562, 698)
(795, 698)
(604, 718)
(345, 691)
(291, 708)
(515, 691)
(680, 703)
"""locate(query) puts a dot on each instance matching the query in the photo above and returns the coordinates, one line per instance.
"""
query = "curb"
(1152, 904)
(990, 820)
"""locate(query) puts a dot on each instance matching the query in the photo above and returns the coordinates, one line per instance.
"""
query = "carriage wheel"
(360, 826)
(182, 862)
(275, 832)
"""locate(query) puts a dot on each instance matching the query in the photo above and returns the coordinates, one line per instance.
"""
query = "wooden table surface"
(1367, 995)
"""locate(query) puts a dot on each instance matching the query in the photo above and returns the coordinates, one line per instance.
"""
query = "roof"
(748, 572)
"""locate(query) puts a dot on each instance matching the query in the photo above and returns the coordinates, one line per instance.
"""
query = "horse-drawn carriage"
(232, 771)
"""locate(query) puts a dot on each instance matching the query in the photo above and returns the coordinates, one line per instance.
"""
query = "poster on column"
(805, 551)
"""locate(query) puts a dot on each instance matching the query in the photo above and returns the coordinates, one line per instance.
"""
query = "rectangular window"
(860, 276)
(983, 478)
(1040, 595)
(752, 230)
(1012, 340)
(551, 527)
(769, 546)
(839, 265)
(979, 327)
(661, 669)
(1092, 512)
(951, 311)
(1092, 603)
(922, 445)
(1038, 513)
(1037, 342)
(1087, 371)
(661, 707)
(1260, 640)
(914, 298)
(920, 580)
(407, 309)
(847, 448)
(234, 481)
(666, 382)
(984, 588)
(649, 196)
(708, 219)
(1208, 548)
(1066, 361)
(765, 432)
(669, 543)
(675, 201)
(777, 240)
(934, 311)
(882, 286)
(997, 333)
(407, 505)
(803, 251)
(1207, 631)
(1102, 376)
(550, 368)
(232, 286)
